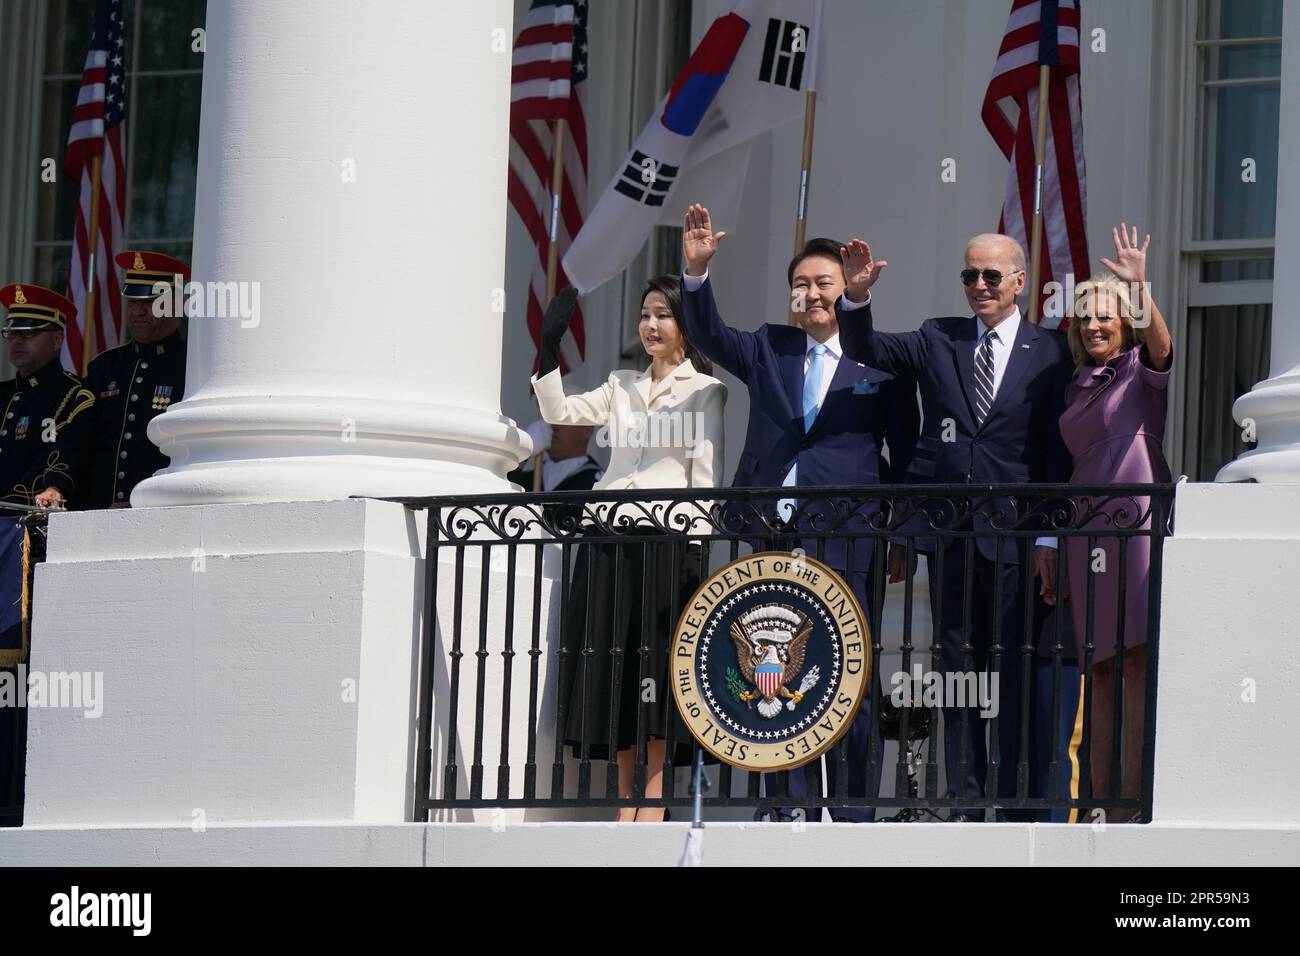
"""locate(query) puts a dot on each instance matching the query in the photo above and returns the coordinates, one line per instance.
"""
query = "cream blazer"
(664, 435)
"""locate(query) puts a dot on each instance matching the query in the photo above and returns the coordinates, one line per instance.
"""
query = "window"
(661, 46)
(164, 79)
(1230, 268)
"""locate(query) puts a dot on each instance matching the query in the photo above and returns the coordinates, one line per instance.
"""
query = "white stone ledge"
(610, 844)
(1237, 511)
(119, 534)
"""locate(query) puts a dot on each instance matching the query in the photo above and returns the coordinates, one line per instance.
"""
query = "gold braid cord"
(76, 401)
(13, 656)
(84, 399)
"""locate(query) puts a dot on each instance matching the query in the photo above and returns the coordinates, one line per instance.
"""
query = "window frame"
(36, 244)
(1200, 124)
(1198, 296)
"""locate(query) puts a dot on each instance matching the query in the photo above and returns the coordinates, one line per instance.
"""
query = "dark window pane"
(1243, 62)
(1249, 18)
(70, 24)
(50, 267)
(1236, 270)
(67, 38)
(56, 202)
(1232, 343)
(164, 156)
(1243, 125)
(667, 250)
(166, 34)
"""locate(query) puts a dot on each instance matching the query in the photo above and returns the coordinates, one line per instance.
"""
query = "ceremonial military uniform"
(35, 407)
(110, 452)
(577, 474)
(107, 452)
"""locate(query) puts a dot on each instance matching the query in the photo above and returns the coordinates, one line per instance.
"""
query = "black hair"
(815, 247)
(670, 287)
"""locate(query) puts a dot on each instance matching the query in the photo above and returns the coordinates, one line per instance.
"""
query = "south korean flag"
(750, 73)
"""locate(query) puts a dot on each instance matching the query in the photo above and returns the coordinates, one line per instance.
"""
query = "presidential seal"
(770, 661)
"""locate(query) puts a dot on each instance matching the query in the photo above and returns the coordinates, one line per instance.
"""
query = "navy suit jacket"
(865, 410)
(1020, 440)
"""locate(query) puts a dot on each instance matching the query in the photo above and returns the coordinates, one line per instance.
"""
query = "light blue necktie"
(812, 382)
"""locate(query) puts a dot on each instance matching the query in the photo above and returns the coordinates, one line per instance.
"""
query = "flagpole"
(1040, 149)
(557, 183)
(805, 174)
(552, 248)
(805, 169)
(88, 313)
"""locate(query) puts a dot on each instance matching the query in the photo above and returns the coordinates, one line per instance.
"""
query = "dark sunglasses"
(992, 277)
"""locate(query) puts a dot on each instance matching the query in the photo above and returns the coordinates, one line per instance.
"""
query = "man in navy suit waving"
(816, 417)
(992, 391)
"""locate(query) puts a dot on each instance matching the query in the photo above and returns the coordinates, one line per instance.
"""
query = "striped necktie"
(984, 377)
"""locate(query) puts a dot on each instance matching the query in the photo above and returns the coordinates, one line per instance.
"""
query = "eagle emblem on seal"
(771, 642)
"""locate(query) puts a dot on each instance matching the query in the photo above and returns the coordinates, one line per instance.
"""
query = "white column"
(1274, 404)
(352, 164)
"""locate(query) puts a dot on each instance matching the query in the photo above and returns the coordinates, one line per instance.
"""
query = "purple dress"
(1113, 424)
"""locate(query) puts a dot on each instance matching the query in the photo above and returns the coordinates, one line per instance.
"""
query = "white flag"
(750, 73)
(693, 852)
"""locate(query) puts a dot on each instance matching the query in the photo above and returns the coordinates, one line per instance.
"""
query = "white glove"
(540, 432)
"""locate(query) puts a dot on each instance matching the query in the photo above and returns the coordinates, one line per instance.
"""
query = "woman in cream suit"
(664, 430)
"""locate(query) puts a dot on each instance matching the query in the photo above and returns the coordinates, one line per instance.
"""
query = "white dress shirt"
(830, 362)
(1004, 340)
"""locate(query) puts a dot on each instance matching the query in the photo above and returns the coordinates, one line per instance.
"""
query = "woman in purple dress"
(1113, 424)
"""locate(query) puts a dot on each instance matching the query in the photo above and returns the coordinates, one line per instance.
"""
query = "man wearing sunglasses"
(992, 391)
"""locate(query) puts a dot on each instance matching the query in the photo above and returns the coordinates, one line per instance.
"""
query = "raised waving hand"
(699, 241)
(1130, 262)
(861, 269)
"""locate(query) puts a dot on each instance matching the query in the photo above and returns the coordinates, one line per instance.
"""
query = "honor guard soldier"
(566, 466)
(108, 451)
(43, 396)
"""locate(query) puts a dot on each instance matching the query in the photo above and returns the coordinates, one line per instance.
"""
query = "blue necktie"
(984, 378)
(812, 382)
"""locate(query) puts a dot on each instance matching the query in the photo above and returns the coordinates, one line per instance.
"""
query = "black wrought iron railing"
(541, 609)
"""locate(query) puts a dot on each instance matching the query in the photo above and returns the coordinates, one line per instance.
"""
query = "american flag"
(97, 131)
(1042, 32)
(548, 80)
